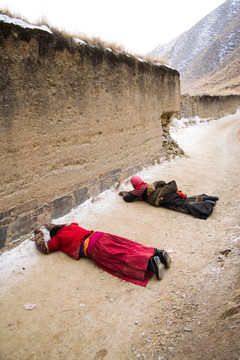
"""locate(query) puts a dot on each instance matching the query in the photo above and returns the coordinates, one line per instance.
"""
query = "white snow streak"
(23, 24)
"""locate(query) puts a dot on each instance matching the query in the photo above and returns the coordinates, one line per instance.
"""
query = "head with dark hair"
(54, 230)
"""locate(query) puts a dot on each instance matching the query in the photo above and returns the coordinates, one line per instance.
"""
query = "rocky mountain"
(208, 55)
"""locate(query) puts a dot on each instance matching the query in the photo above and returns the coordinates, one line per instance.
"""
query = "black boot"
(164, 257)
(210, 202)
(211, 198)
(156, 266)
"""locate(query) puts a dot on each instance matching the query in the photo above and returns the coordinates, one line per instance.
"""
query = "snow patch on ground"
(22, 256)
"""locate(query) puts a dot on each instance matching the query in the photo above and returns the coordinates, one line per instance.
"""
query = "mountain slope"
(208, 47)
(224, 80)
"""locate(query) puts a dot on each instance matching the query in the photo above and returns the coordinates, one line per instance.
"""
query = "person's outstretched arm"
(128, 196)
(40, 243)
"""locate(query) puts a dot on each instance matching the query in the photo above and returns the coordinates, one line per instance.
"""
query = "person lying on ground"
(165, 194)
(121, 257)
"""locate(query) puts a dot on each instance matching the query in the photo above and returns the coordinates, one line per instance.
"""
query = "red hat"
(136, 180)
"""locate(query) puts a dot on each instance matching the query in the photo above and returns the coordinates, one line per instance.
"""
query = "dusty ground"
(85, 313)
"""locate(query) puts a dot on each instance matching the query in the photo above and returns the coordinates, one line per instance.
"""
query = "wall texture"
(74, 120)
(208, 106)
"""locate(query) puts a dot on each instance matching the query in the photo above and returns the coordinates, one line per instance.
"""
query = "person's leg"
(175, 202)
(202, 197)
(122, 256)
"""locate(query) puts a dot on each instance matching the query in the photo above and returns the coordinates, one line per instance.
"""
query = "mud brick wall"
(208, 106)
(75, 119)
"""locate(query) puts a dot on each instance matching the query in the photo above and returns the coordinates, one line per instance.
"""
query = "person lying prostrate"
(119, 256)
(167, 195)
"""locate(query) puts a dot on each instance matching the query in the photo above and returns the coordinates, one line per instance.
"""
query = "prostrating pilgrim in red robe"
(119, 256)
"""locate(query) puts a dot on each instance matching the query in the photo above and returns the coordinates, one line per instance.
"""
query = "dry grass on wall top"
(97, 41)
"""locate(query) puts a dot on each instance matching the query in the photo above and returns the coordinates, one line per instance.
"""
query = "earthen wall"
(208, 106)
(75, 119)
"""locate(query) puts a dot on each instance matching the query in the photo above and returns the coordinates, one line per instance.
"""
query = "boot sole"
(167, 259)
(164, 258)
(159, 268)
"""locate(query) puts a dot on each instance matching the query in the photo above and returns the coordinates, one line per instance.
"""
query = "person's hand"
(39, 238)
(122, 193)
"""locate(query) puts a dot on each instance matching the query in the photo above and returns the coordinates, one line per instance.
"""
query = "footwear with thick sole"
(157, 267)
(164, 257)
(211, 198)
(210, 202)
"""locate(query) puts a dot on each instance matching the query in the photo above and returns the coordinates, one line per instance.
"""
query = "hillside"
(224, 80)
(207, 55)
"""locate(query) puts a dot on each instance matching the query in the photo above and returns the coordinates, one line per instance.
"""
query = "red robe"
(121, 257)
(68, 240)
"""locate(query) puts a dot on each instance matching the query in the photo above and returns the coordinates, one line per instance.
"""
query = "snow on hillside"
(181, 51)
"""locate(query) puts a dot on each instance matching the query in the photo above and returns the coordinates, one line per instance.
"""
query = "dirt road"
(193, 313)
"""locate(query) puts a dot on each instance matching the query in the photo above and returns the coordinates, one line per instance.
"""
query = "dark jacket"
(158, 190)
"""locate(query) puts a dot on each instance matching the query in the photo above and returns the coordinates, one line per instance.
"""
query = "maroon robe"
(121, 257)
